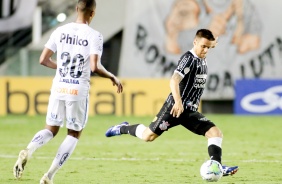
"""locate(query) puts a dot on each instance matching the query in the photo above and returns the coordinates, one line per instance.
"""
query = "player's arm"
(46, 60)
(177, 108)
(97, 67)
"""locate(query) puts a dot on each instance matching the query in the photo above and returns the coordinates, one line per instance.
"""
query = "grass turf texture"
(253, 143)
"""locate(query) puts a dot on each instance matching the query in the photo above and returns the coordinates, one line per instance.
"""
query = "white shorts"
(75, 112)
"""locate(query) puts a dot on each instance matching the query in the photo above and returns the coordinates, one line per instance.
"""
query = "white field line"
(142, 159)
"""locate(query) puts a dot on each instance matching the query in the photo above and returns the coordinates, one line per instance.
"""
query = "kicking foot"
(229, 171)
(115, 130)
(20, 164)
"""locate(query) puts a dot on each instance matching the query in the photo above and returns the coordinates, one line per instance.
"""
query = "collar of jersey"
(192, 51)
(194, 54)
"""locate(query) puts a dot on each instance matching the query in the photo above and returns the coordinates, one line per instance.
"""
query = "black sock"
(215, 152)
(131, 129)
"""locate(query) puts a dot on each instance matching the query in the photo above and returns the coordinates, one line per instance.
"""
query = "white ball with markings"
(211, 171)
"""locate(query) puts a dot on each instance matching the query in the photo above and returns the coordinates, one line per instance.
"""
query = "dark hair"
(205, 33)
(86, 5)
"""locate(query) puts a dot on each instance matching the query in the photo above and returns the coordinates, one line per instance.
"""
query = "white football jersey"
(74, 43)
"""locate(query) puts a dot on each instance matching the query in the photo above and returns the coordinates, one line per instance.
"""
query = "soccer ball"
(211, 171)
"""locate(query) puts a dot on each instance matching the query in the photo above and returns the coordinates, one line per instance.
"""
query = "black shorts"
(191, 120)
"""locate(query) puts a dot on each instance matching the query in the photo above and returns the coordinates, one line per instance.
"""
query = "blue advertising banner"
(258, 97)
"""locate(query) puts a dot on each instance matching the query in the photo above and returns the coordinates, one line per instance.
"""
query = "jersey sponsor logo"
(199, 86)
(69, 81)
(203, 76)
(270, 99)
(73, 40)
(164, 125)
(67, 91)
(200, 81)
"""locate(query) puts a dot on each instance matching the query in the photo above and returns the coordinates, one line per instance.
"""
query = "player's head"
(204, 40)
(86, 9)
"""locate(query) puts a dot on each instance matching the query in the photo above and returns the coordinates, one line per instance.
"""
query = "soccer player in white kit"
(79, 49)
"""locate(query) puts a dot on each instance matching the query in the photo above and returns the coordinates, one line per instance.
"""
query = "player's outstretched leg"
(229, 171)
(115, 130)
(20, 163)
(45, 179)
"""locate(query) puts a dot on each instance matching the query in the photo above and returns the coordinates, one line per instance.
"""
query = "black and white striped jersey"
(194, 72)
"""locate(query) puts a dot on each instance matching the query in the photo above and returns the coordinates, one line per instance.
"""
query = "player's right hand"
(117, 83)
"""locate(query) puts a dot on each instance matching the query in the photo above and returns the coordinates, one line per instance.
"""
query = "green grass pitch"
(252, 142)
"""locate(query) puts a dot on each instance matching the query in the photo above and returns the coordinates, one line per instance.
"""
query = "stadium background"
(137, 49)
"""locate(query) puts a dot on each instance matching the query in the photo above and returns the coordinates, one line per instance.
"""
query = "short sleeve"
(96, 46)
(51, 43)
(184, 65)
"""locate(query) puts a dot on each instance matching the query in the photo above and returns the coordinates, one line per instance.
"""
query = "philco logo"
(73, 40)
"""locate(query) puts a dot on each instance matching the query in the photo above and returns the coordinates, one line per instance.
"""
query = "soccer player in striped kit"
(181, 107)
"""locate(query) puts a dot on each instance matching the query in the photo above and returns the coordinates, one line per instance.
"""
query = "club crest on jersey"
(74, 40)
(186, 70)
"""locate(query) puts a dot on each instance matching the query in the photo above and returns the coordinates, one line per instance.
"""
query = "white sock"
(39, 139)
(139, 131)
(215, 140)
(64, 152)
